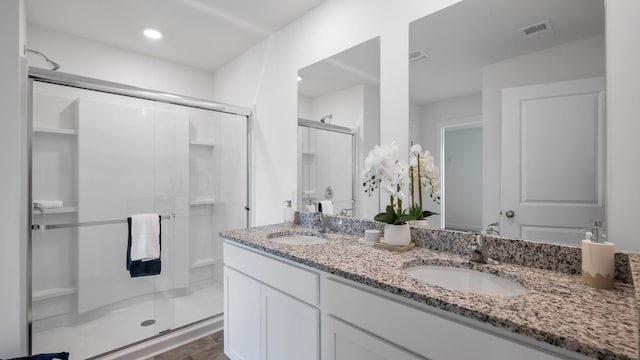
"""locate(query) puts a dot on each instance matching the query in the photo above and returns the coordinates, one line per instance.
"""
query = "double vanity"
(293, 292)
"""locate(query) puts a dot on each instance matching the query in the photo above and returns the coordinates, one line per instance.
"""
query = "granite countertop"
(558, 308)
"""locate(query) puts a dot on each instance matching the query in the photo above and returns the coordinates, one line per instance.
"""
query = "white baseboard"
(163, 343)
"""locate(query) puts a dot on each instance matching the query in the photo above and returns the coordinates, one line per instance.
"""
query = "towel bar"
(88, 223)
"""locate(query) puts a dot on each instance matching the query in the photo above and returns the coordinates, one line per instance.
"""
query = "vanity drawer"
(422, 332)
(295, 281)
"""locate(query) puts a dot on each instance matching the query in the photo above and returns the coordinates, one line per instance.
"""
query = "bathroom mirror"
(339, 122)
(508, 95)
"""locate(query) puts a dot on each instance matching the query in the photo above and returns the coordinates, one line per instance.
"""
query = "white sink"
(463, 279)
(290, 238)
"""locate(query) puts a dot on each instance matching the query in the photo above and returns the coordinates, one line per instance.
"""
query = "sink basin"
(293, 238)
(463, 279)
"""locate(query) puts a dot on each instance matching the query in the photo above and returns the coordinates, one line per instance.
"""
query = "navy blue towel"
(139, 268)
(61, 356)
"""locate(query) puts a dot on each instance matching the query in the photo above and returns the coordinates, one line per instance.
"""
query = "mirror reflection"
(338, 120)
(508, 95)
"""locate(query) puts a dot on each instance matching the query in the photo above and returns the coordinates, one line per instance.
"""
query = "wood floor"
(207, 348)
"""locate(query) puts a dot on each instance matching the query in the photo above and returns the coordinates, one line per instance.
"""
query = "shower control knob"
(510, 214)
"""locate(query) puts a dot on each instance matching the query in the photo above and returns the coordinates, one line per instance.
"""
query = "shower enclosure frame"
(354, 152)
(65, 79)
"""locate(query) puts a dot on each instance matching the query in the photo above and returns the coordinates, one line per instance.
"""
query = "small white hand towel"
(48, 204)
(145, 237)
(327, 207)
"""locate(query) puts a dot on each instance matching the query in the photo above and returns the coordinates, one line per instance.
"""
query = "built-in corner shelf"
(203, 202)
(203, 262)
(52, 293)
(62, 210)
(57, 131)
(201, 143)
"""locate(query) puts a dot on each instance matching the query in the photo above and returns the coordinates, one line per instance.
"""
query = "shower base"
(122, 327)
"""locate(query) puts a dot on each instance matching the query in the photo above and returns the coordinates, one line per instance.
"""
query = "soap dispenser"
(598, 259)
(289, 212)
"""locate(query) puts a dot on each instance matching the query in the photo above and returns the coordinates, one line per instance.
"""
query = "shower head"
(323, 120)
(52, 64)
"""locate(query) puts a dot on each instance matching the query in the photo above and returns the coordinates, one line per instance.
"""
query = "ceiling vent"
(415, 55)
(538, 30)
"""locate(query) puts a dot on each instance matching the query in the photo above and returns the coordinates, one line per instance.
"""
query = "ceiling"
(357, 65)
(462, 38)
(204, 34)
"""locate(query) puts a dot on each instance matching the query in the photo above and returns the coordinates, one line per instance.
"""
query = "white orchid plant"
(424, 174)
(383, 170)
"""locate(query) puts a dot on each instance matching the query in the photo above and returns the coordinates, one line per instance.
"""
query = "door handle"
(509, 214)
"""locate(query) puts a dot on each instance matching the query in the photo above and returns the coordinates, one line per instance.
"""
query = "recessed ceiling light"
(152, 33)
(299, 78)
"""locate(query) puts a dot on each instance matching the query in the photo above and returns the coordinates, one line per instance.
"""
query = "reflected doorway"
(461, 151)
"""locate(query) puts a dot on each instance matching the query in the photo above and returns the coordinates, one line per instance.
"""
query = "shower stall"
(99, 153)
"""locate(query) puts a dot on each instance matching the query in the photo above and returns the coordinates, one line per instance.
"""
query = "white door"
(553, 159)
(351, 343)
(290, 328)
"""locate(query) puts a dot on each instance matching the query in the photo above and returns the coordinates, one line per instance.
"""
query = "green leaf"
(402, 219)
(382, 217)
(391, 215)
(427, 213)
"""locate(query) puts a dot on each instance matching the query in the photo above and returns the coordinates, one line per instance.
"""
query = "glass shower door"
(99, 158)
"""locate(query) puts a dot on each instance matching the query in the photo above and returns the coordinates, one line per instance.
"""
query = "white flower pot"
(421, 223)
(397, 235)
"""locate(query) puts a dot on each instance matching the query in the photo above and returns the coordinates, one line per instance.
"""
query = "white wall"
(574, 60)
(12, 185)
(265, 76)
(369, 135)
(92, 59)
(304, 107)
(623, 124)
(346, 106)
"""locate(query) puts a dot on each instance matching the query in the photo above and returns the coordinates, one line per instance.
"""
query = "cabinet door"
(290, 327)
(241, 316)
(345, 342)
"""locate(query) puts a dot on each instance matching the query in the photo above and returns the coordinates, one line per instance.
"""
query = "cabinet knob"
(510, 214)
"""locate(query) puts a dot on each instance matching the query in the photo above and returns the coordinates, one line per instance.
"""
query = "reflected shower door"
(326, 169)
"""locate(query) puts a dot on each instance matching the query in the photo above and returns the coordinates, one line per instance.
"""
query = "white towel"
(48, 204)
(327, 207)
(145, 237)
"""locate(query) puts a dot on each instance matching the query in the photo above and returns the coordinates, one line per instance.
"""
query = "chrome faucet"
(345, 212)
(324, 224)
(476, 253)
(493, 229)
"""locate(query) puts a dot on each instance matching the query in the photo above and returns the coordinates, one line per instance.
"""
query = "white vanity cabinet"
(275, 309)
(264, 321)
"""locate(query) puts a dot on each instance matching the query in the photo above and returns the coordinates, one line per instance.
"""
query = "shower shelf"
(63, 210)
(203, 202)
(58, 131)
(201, 143)
(203, 262)
(51, 293)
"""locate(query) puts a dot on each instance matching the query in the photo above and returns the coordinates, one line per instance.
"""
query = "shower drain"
(147, 323)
